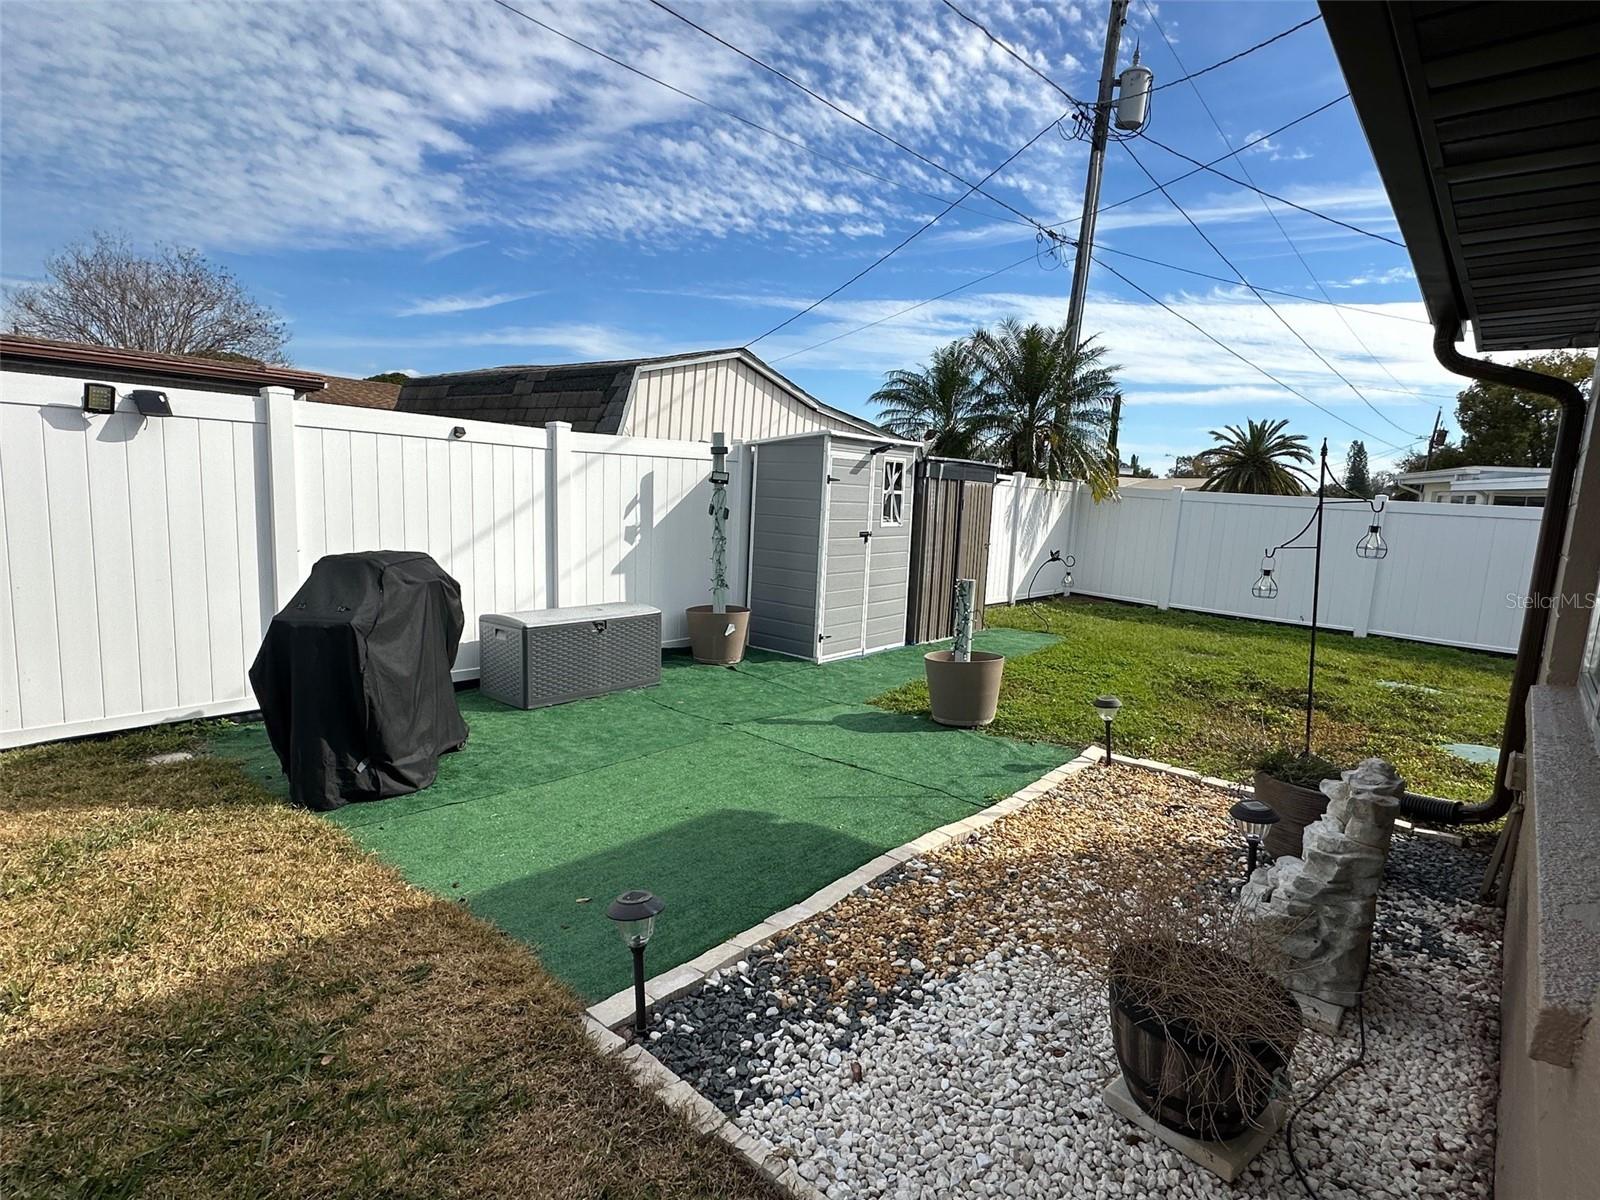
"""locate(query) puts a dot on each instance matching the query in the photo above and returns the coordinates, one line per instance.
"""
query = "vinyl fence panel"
(142, 559)
(1455, 574)
(132, 559)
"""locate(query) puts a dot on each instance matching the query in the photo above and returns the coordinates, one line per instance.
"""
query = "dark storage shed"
(949, 541)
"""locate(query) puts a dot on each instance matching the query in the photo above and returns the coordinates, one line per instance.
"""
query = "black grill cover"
(353, 678)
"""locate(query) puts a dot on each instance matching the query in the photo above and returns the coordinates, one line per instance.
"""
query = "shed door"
(889, 554)
(848, 548)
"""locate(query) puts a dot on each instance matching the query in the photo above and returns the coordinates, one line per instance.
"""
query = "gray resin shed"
(830, 544)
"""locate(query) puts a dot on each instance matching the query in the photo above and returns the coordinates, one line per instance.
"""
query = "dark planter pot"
(1182, 1077)
(1296, 807)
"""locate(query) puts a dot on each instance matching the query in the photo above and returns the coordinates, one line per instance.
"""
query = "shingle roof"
(359, 393)
(589, 395)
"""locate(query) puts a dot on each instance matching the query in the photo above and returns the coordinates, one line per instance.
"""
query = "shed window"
(894, 491)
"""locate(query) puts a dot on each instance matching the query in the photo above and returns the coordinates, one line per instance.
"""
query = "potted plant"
(963, 683)
(1290, 783)
(717, 631)
(1203, 1036)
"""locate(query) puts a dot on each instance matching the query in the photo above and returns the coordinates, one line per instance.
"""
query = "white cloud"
(435, 306)
(1370, 278)
(420, 122)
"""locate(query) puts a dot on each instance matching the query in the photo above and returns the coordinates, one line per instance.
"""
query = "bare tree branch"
(174, 302)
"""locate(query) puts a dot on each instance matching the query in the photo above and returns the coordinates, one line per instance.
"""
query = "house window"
(894, 491)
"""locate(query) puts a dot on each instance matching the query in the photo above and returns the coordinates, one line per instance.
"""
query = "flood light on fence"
(1372, 545)
(99, 398)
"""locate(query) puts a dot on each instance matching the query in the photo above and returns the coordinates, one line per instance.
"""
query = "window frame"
(893, 493)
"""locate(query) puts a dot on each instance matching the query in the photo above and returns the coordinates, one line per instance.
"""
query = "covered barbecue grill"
(353, 678)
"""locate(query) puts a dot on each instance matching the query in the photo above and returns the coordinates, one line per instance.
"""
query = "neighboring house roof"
(591, 396)
(22, 350)
(1481, 121)
(1502, 480)
(1187, 482)
(359, 393)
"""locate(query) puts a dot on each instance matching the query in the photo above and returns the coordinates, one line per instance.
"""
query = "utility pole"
(1433, 439)
(1097, 158)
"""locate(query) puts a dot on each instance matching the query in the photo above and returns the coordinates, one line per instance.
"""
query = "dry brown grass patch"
(208, 994)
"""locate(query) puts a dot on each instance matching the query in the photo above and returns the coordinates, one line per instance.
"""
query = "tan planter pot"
(964, 694)
(718, 637)
(1296, 807)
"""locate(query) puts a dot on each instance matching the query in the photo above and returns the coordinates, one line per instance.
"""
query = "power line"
(1171, 200)
(1236, 57)
(1247, 362)
(988, 33)
(1223, 279)
(1271, 133)
(1218, 251)
(1200, 166)
(960, 287)
(927, 225)
(1284, 233)
(850, 116)
(743, 120)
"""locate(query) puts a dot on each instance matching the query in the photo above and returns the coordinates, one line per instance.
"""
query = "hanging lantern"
(1372, 545)
(1265, 588)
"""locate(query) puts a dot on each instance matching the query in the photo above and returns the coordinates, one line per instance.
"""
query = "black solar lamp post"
(1108, 707)
(1253, 819)
(635, 913)
(1371, 546)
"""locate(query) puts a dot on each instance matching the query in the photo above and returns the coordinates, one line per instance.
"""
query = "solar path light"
(635, 913)
(1253, 819)
(1108, 707)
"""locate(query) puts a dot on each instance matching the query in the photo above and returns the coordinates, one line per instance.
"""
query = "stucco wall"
(1550, 1001)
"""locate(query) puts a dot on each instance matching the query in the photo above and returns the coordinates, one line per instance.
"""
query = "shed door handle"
(866, 535)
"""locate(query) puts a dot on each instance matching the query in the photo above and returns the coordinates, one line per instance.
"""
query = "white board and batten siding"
(1455, 575)
(140, 564)
(692, 400)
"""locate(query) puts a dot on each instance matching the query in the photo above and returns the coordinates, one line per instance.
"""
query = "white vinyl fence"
(1455, 574)
(142, 559)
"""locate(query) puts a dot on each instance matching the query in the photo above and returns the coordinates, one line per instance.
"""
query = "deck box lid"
(580, 614)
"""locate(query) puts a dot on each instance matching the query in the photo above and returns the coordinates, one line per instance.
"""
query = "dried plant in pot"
(963, 683)
(717, 631)
(1290, 783)
(1202, 1027)
(1203, 1037)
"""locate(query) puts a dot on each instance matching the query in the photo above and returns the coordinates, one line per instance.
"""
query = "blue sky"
(431, 187)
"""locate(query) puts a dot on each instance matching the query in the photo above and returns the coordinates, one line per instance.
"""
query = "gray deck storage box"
(551, 655)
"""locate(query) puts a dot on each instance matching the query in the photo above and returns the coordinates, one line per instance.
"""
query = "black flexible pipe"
(1546, 566)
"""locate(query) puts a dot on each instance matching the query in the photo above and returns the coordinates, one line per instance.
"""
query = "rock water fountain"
(1319, 907)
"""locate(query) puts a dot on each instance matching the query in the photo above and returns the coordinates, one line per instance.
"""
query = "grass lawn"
(730, 793)
(208, 994)
(1211, 693)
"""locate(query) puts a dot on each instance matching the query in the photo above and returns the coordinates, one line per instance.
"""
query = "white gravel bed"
(987, 1082)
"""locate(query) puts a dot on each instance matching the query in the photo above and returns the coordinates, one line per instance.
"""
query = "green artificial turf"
(1214, 693)
(730, 793)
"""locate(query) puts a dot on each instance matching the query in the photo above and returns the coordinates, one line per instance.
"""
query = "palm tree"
(1045, 406)
(1260, 460)
(936, 401)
